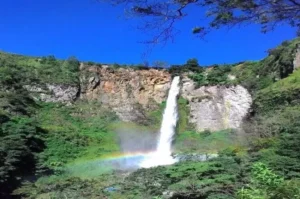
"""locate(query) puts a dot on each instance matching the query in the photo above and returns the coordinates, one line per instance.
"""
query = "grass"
(155, 117)
(131, 125)
(183, 113)
(205, 142)
(42, 70)
(87, 169)
(83, 134)
(76, 134)
(283, 92)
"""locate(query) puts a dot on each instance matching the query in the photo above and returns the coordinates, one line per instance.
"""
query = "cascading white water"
(169, 122)
(162, 155)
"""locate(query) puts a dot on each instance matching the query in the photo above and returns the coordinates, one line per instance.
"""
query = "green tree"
(71, 64)
(263, 182)
(20, 143)
(160, 64)
(160, 16)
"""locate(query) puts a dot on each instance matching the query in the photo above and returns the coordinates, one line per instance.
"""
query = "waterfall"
(169, 121)
(162, 155)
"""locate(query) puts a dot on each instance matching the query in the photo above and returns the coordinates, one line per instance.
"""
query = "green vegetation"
(265, 184)
(42, 138)
(41, 69)
(206, 142)
(49, 150)
(278, 65)
(252, 75)
(155, 117)
(183, 114)
(193, 179)
(69, 188)
(212, 179)
(78, 133)
(191, 65)
(19, 145)
(283, 93)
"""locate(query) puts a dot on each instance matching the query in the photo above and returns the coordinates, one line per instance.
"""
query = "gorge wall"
(216, 107)
(132, 93)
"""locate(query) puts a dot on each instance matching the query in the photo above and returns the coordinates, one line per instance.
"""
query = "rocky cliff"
(131, 93)
(128, 92)
(54, 93)
(296, 61)
(216, 107)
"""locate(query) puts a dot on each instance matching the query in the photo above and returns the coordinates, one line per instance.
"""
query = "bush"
(191, 65)
(211, 179)
(265, 184)
(280, 94)
(71, 65)
(20, 142)
(90, 63)
(218, 75)
(44, 70)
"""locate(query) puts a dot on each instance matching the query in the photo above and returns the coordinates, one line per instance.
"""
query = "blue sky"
(98, 32)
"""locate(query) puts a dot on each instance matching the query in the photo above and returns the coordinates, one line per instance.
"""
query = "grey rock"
(168, 194)
(93, 82)
(129, 93)
(231, 77)
(194, 157)
(53, 93)
(296, 61)
(216, 107)
(111, 189)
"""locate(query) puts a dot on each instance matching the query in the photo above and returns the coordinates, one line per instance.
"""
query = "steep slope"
(285, 92)
(62, 133)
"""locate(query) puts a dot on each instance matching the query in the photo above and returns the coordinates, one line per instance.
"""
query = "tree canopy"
(160, 16)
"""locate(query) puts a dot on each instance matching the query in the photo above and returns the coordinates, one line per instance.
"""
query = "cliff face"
(131, 93)
(54, 93)
(216, 107)
(128, 92)
(296, 61)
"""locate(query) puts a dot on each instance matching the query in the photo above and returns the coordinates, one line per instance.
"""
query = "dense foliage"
(20, 136)
(39, 138)
(49, 150)
(265, 184)
(40, 69)
(254, 75)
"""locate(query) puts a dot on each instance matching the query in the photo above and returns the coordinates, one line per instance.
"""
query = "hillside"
(63, 121)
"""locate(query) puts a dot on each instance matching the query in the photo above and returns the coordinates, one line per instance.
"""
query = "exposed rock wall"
(216, 107)
(54, 92)
(128, 92)
(296, 61)
(131, 93)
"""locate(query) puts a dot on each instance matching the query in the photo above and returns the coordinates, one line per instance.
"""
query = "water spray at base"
(162, 155)
(140, 150)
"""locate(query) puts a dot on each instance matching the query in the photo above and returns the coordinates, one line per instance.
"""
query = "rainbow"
(108, 162)
(120, 155)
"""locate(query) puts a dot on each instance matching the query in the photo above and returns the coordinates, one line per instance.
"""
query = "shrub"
(282, 93)
(265, 184)
(20, 143)
(90, 63)
(191, 65)
(218, 75)
(71, 65)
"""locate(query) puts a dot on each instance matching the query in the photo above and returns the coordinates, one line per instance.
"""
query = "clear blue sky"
(97, 32)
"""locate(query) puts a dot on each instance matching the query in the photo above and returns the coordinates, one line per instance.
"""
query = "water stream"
(162, 155)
